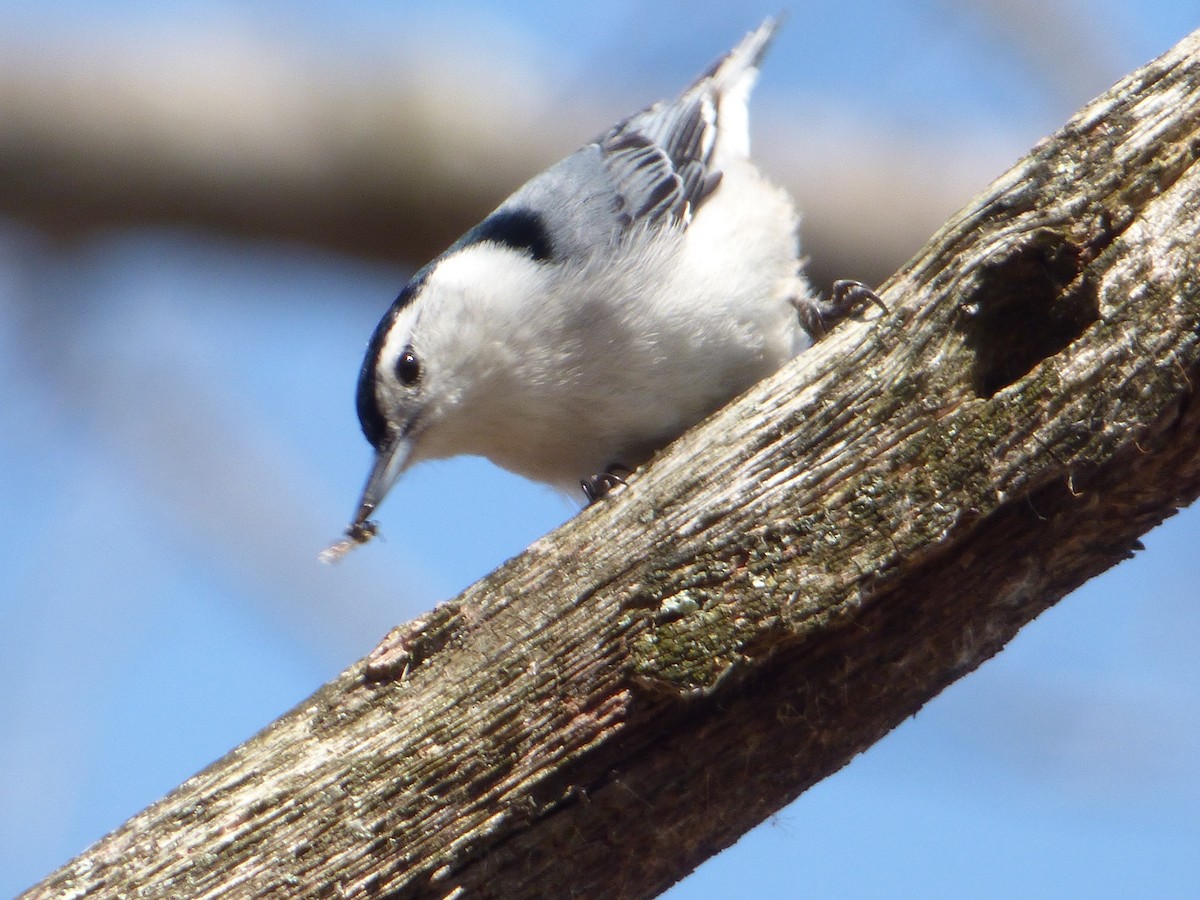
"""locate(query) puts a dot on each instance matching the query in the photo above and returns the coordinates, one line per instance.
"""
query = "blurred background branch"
(246, 138)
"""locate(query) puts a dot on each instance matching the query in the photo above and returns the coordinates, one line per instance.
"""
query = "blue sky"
(164, 391)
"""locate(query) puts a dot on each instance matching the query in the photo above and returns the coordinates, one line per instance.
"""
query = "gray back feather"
(653, 170)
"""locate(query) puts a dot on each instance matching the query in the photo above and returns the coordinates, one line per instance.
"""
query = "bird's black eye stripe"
(408, 368)
(521, 229)
(370, 415)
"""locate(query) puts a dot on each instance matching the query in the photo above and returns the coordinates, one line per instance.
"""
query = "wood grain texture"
(782, 587)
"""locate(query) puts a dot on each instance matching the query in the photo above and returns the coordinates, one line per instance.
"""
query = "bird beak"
(390, 462)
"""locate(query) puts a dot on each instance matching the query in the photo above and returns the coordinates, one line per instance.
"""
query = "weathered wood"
(780, 589)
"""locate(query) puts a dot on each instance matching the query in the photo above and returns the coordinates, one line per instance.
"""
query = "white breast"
(561, 377)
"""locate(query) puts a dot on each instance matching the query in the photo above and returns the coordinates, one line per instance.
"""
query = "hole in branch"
(1030, 305)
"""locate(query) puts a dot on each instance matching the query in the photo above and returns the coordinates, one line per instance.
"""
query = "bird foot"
(597, 487)
(848, 299)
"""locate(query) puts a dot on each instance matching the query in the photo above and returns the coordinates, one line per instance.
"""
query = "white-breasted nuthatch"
(613, 301)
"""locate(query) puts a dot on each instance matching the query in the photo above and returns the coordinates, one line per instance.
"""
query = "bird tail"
(744, 59)
(729, 81)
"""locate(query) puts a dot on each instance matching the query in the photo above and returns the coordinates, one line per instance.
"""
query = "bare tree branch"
(781, 588)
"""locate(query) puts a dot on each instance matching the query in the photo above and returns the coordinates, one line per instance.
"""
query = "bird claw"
(848, 299)
(597, 487)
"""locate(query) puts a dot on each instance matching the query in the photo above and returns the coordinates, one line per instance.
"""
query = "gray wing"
(651, 171)
(659, 161)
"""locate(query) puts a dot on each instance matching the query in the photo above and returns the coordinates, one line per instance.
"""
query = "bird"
(610, 303)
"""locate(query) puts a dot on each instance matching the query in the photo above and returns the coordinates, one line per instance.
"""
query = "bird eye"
(408, 369)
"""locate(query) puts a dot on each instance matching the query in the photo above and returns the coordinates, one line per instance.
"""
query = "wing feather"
(653, 170)
(660, 161)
